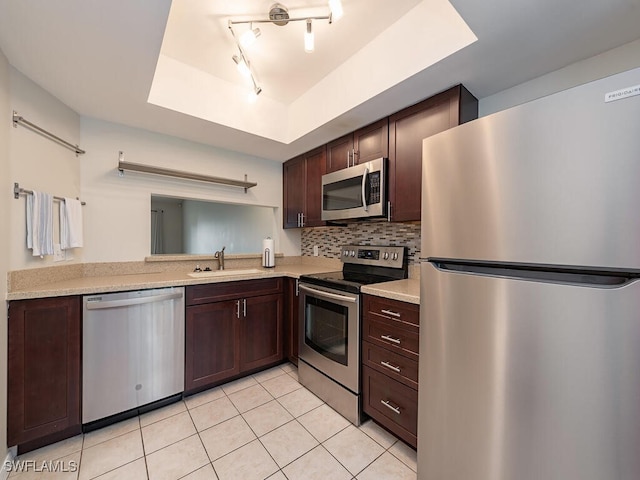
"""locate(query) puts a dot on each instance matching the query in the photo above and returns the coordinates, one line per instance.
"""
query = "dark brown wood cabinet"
(232, 328)
(44, 371)
(390, 365)
(261, 331)
(363, 145)
(291, 315)
(407, 129)
(302, 189)
(212, 344)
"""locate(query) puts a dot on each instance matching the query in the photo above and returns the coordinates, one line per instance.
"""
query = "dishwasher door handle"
(101, 305)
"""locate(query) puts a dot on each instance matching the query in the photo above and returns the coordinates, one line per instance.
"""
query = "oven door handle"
(323, 294)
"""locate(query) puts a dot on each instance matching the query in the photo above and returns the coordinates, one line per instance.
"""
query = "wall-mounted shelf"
(136, 167)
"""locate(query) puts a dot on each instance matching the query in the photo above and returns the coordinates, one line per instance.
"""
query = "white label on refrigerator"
(622, 93)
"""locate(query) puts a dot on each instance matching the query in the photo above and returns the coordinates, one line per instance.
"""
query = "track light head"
(249, 37)
(336, 10)
(242, 65)
(308, 38)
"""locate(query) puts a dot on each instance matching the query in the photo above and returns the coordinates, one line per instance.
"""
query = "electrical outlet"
(58, 253)
(315, 251)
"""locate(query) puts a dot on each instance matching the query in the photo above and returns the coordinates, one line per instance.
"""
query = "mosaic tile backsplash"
(330, 239)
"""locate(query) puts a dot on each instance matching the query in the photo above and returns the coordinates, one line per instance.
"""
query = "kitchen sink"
(223, 273)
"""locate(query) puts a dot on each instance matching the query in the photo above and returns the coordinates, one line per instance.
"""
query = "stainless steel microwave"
(355, 192)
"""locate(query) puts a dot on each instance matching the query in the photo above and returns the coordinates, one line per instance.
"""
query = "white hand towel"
(40, 223)
(71, 224)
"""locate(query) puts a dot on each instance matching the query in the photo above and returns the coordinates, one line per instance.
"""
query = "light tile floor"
(263, 426)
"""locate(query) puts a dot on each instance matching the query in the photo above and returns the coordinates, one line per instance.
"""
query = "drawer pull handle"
(390, 339)
(393, 314)
(389, 366)
(387, 404)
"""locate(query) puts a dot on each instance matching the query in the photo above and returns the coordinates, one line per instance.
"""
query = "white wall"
(5, 200)
(117, 223)
(608, 63)
(38, 163)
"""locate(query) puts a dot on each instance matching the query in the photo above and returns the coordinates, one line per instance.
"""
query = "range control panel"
(379, 256)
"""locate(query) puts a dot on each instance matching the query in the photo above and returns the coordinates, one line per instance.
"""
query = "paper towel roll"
(268, 253)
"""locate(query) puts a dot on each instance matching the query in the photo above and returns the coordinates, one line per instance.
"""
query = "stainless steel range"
(330, 323)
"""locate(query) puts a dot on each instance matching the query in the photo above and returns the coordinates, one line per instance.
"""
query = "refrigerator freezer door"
(553, 181)
(527, 380)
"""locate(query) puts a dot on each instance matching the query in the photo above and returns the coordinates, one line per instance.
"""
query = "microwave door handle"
(364, 189)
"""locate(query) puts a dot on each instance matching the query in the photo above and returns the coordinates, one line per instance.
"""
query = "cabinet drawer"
(401, 312)
(398, 367)
(215, 292)
(391, 404)
(403, 340)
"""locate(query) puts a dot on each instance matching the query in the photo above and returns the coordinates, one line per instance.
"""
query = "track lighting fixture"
(243, 66)
(336, 9)
(308, 38)
(278, 15)
(249, 37)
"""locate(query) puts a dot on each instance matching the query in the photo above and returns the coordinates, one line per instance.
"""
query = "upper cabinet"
(398, 138)
(302, 189)
(407, 129)
(366, 144)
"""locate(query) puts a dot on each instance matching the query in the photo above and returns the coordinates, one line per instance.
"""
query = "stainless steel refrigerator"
(530, 296)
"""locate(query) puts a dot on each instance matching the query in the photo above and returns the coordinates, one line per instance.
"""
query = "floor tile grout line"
(172, 443)
(164, 418)
(274, 460)
(235, 449)
(115, 468)
(400, 460)
(110, 438)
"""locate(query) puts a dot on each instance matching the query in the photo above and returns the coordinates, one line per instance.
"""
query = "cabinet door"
(261, 332)
(339, 153)
(43, 371)
(291, 328)
(212, 349)
(407, 129)
(391, 404)
(372, 141)
(315, 168)
(294, 191)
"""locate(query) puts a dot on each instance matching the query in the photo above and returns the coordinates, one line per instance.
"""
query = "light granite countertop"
(139, 281)
(404, 290)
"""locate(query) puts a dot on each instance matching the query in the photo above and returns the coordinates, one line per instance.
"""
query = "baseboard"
(4, 473)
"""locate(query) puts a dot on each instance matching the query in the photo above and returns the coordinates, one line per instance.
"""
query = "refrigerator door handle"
(540, 273)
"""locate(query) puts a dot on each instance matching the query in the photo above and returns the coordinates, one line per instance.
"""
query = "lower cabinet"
(212, 344)
(232, 328)
(390, 365)
(261, 331)
(44, 371)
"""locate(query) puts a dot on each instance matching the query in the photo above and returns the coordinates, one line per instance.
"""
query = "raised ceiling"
(101, 58)
(375, 46)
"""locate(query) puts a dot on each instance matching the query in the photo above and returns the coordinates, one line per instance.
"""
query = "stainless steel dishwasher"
(132, 351)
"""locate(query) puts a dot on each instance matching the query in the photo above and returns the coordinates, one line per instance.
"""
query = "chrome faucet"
(220, 256)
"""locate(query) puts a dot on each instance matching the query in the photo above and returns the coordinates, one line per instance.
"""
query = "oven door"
(330, 333)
